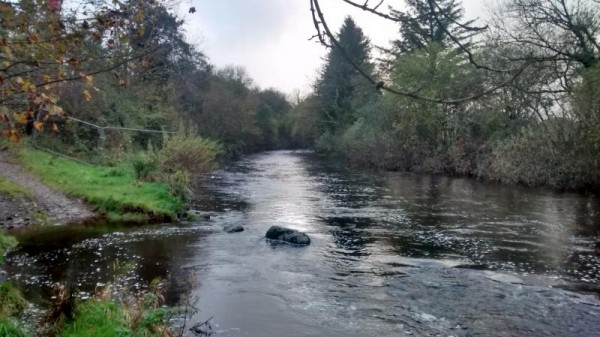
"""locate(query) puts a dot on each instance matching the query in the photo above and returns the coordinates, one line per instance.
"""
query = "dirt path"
(46, 205)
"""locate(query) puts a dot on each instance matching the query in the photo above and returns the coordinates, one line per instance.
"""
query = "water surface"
(391, 255)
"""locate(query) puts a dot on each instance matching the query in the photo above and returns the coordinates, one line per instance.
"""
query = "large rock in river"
(287, 235)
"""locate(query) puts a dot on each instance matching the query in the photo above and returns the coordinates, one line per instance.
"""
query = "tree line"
(124, 64)
(514, 101)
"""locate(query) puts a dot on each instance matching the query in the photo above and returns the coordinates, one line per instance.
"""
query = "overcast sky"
(270, 37)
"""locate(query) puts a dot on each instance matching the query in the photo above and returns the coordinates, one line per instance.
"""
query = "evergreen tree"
(419, 24)
(339, 85)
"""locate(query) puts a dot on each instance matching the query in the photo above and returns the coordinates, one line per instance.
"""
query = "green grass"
(12, 189)
(114, 191)
(12, 328)
(6, 242)
(97, 319)
(12, 301)
(109, 319)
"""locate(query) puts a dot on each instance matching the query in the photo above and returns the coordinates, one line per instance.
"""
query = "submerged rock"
(233, 229)
(197, 215)
(287, 235)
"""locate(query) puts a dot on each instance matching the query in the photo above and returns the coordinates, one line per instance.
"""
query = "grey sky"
(270, 37)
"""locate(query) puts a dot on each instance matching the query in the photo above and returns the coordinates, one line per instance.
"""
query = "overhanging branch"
(328, 39)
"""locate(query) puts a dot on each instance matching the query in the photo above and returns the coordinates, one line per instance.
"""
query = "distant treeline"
(124, 64)
(517, 102)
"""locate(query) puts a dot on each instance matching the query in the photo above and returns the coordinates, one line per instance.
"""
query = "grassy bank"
(107, 318)
(6, 242)
(140, 315)
(113, 190)
(12, 302)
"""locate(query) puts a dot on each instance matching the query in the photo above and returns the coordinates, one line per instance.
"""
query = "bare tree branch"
(434, 10)
(328, 39)
(373, 10)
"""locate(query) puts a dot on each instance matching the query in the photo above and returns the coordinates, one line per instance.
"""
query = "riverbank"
(440, 166)
(38, 189)
(44, 189)
(24, 200)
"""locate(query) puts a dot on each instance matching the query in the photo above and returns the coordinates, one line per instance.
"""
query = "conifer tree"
(340, 82)
(421, 24)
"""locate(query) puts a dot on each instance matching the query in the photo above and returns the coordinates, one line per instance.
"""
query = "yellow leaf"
(54, 127)
(89, 78)
(87, 95)
(51, 98)
(28, 87)
(13, 135)
(21, 117)
(46, 78)
(54, 109)
(38, 125)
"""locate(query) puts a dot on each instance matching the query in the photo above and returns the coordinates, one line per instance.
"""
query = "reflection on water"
(383, 259)
(504, 228)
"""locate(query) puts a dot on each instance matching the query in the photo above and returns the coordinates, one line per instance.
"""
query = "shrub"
(145, 165)
(326, 143)
(533, 159)
(362, 146)
(180, 184)
(190, 154)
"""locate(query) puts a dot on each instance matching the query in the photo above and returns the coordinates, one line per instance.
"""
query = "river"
(391, 255)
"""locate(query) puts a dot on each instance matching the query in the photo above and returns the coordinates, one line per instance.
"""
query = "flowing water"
(391, 255)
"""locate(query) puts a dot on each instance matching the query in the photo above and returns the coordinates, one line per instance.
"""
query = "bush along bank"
(525, 133)
(148, 186)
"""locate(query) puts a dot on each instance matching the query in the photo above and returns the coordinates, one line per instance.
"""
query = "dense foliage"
(124, 65)
(516, 102)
